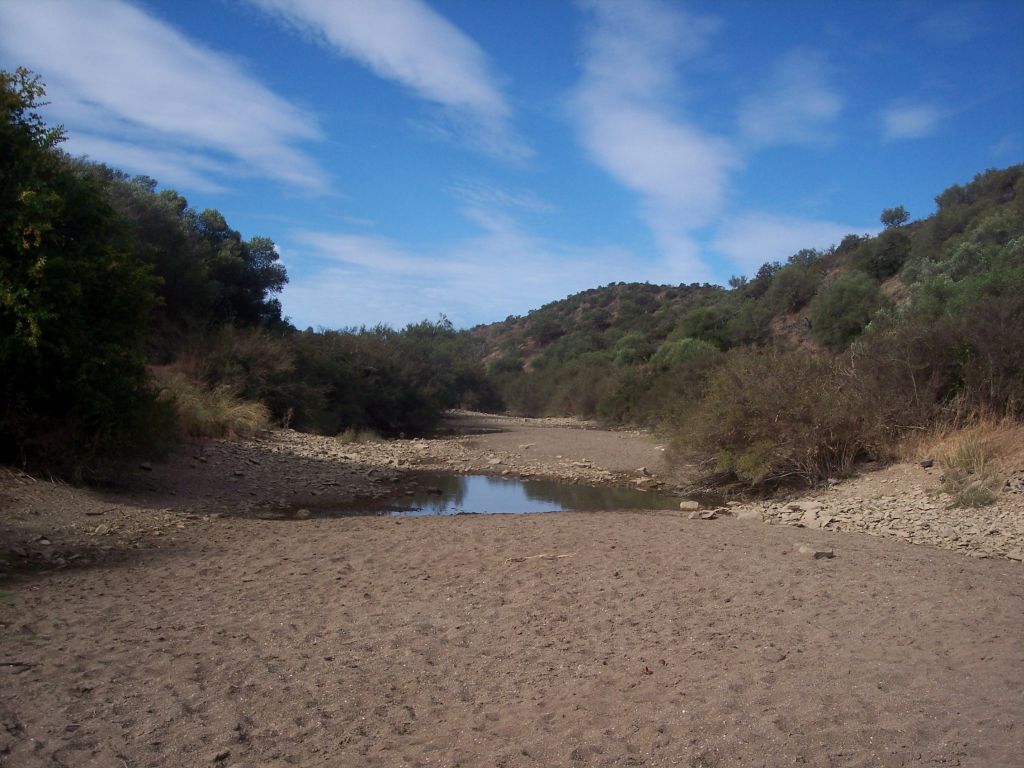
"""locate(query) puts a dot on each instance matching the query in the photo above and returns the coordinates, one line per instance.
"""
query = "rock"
(1017, 554)
(220, 757)
(146, 466)
(774, 655)
(947, 532)
(928, 463)
(693, 516)
(709, 515)
(687, 505)
(642, 471)
(494, 462)
(819, 553)
(303, 514)
(806, 506)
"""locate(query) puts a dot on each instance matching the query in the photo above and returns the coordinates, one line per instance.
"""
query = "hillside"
(808, 366)
(817, 301)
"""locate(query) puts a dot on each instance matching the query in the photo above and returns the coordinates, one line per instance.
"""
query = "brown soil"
(175, 638)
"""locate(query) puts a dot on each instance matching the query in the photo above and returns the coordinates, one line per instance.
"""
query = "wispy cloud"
(910, 121)
(956, 24)
(479, 193)
(348, 279)
(623, 107)
(408, 42)
(750, 240)
(155, 101)
(798, 104)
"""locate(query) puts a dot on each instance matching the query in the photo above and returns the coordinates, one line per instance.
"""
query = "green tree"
(74, 304)
(894, 217)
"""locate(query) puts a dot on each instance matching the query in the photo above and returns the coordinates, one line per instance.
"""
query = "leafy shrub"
(673, 353)
(843, 308)
(792, 287)
(885, 255)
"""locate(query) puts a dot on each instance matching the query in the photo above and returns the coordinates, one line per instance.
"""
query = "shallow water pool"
(445, 494)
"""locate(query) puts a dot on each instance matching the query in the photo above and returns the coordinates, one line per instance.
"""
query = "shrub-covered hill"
(925, 318)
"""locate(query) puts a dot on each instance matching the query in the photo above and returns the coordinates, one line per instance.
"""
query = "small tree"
(894, 217)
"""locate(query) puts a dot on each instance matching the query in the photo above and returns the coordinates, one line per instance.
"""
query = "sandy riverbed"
(616, 638)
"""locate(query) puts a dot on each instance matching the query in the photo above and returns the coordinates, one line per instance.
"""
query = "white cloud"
(623, 107)
(408, 42)
(797, 106)
(348, 279)
(910, 121)
(750, 240)
(146, 93)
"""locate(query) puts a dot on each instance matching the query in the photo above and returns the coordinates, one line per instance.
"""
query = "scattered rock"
(818, 553)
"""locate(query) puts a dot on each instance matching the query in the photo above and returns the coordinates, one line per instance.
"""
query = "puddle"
(485, 495)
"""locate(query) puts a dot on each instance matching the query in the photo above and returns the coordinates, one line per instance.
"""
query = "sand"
(571, 639)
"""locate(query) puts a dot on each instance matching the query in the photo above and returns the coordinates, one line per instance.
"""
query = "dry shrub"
(211, 411)
(772, 416)
(358, 436)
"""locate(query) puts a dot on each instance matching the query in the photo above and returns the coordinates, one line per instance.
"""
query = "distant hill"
(604, 352)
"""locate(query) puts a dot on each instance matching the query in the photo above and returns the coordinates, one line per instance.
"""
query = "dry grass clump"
(211, 411)
(973, 457)
(353, 435)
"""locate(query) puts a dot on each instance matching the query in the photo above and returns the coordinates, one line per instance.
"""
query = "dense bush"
(885, 255)
(843, 308)
(74, 302)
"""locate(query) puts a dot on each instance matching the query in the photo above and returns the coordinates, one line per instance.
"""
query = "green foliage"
(674, 353)
(843, 308)
(793, 287)
(73, 301)
(894, 217)
(210, 276)
(883, 257)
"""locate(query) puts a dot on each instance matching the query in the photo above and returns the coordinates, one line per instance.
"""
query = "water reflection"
(482, 494)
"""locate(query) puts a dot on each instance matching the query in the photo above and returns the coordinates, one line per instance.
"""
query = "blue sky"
(479, 158)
